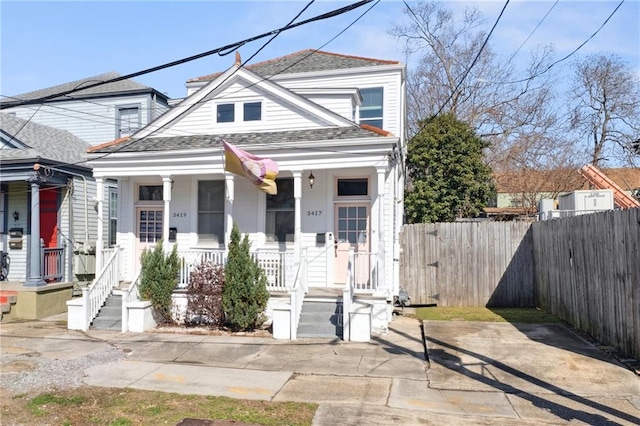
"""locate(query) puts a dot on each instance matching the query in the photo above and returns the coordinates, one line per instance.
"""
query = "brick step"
(7, 298)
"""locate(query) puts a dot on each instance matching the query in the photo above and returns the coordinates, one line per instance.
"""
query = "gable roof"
(118, 87)
(309, 60)
(560, 180)
(40, 141)
(291, 137)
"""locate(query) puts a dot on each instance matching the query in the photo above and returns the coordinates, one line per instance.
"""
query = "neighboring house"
(518, 193)
(95, 115)
(335, 126)
(46, 212)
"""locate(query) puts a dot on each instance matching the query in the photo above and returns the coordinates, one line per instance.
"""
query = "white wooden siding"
(18, 199)
(92, 121)
(340, 104)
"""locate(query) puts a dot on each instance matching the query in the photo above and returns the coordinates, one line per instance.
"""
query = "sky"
(46, 43)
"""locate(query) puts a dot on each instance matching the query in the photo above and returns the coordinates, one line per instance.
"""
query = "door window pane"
(353, 187)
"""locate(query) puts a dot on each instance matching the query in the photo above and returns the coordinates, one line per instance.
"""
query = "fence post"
(85, 309)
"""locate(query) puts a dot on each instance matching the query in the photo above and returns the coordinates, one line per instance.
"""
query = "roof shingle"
(309, 60)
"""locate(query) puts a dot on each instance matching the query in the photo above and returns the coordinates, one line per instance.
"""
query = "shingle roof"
(122, 86)
(211, 141)
(42, 141)
(309, 60)
(561, 180)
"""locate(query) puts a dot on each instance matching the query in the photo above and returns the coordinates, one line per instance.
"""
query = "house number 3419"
(314, 212)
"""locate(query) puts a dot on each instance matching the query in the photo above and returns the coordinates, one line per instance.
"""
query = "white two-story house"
(335, 126)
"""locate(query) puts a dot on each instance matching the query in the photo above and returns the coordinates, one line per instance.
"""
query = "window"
(280, 217)
(150, 193)
(253, 111)
(128, 121)
(371, 108)
(353, 187)
(113, 216)
(211, 211)
(225, 113)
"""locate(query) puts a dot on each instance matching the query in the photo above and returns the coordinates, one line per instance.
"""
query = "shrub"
(204, 295)
(158, 279)
(245, 292)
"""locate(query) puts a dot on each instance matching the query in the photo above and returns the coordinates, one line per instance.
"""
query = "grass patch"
(124, 407)
(512, 315)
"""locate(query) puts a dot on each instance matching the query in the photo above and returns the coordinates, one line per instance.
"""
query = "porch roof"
(259, 138)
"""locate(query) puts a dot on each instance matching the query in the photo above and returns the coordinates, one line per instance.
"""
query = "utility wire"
(532, 32)
(221, 51)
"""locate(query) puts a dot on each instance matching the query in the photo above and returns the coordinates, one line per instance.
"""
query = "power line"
(220, 50)
(532, 32)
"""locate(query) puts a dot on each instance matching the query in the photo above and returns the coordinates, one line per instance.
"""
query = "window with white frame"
(353, 187)
(280, 215)
(113, 216)
(225, 113)
(252, 111)
(211, 196)
(372, 106)
(128, 121)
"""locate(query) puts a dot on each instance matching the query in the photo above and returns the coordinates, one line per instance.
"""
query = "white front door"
(351, 231)
(149, 230)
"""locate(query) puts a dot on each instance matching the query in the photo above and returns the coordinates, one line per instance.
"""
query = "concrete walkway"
(477, 373)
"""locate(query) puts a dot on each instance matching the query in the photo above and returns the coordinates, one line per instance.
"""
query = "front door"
(351, 231)
(149, 229)
(49, 227)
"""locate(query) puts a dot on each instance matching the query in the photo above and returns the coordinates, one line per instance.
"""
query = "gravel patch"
(22, 373)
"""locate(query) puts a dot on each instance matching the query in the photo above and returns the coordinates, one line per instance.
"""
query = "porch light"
(16, 216)
(312, 179)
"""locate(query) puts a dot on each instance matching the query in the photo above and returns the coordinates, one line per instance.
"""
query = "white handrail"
(94, 296)
(300, 288)
(131, 294)
(347, 297)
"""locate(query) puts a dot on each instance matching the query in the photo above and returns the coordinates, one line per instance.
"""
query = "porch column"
(228, 207)
(166, 197)
(297, 224)
(99, 240)
(381, 234)
(34, 272)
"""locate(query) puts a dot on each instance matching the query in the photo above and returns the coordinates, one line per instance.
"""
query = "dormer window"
(249, 111)
(371, 108)
(225, 113)
(252, 111)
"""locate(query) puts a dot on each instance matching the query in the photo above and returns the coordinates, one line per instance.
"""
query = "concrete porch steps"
(7, 299)
(110, 315)
(321, 317)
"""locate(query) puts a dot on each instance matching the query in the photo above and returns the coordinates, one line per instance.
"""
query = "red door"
(49, 216)
(49, 227)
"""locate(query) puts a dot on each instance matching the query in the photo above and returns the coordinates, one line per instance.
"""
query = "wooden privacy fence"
(468, 264)
(588, 273)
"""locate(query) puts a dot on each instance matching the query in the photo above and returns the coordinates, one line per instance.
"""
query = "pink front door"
(351, 232)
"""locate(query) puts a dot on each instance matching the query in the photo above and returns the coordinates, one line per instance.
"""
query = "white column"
(166, 197)
(297, 224)
(381, 234)
(228, 207)
(100, 207)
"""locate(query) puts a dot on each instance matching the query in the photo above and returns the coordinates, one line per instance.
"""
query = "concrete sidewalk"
(478, 373)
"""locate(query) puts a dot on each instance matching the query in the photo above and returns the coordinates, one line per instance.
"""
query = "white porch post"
(228, 207)
(166, 197)
(381, 234)
(99, 239)
(297, 225)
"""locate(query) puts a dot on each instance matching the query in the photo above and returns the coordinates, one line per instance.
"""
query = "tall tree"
(447, 177)
(606, 108)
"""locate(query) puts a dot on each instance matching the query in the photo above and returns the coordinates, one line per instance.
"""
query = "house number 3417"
(314, 212)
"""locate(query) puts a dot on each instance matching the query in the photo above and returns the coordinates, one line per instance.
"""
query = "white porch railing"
(347, 296)
(298, 291)
(131, 294)
(94, 296)
(278, 266)
(363, 267)
(192, 258)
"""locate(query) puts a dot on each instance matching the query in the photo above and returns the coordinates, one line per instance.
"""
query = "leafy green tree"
(245, 293)
(159, 278)
(447, 177)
